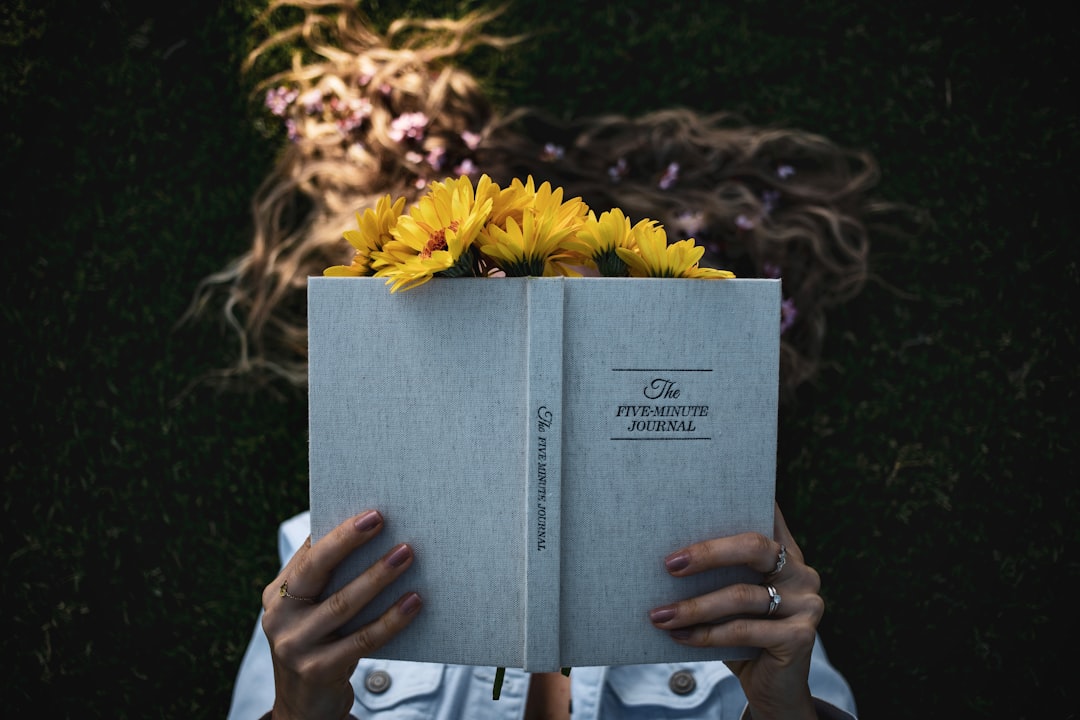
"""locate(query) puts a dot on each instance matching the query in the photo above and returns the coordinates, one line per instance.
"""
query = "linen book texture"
(543, 444)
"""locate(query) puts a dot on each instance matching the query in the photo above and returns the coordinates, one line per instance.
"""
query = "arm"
(253, 690)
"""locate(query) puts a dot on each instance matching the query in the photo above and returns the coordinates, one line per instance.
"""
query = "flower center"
(437, 240)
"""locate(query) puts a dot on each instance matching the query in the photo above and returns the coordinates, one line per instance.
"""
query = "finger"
(751, 549)
(369, 638)
(273, 591)
(343, 605)
(783, 534)
(789, 552)
(739, 600)
(310, 571)
(794, 633)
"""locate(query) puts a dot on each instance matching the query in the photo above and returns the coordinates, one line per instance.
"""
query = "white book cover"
(543, 444)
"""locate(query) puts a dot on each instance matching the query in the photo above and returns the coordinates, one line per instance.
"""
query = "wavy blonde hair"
(373, 114)
(765, 202)
(342, 101)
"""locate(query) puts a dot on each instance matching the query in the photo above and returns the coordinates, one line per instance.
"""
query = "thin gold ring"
(285, 593)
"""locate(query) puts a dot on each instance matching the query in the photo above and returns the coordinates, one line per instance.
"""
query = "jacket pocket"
(396, 689)
(675, 690)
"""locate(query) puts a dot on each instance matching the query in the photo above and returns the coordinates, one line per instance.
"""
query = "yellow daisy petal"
(435, 237)
(654, 257)
(535, 244)
(597, 241)
(373, 231)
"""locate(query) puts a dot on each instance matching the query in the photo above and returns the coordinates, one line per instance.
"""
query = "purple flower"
(769, 200)
(471, 139)
(292, 130)
(771, 270)
(408, 125)
(467, 167)
(617, 171)
(436, 156)
(552, 152)
(671, 174)
(788, 313)
(279, 99)
(744, 223)
(354, 112)
(784, 171)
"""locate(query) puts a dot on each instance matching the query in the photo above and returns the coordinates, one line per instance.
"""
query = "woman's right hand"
(312, 661)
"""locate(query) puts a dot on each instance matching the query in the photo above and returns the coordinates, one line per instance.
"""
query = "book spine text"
(544, 457)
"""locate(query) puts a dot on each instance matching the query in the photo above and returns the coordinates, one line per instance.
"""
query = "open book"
(543, 444)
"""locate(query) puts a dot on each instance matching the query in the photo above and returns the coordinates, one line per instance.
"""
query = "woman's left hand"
(783, 623)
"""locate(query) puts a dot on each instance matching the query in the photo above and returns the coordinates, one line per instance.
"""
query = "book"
(543, 444)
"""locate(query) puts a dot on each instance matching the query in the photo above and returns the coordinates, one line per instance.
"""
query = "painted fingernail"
(410, 604)
(367, 521)
(677, 561)
(399, 555)
(681, 634)
(662, 614)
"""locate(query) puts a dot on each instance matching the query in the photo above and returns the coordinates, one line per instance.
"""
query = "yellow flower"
(653, 257)
(373, 233)
(436, 236)
(505, 202)
(598, 239)
(535, 244)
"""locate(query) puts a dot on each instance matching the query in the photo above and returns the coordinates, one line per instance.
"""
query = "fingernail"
(367, 521)
(410, 604)
(399, 555)
(662, 614)
(677, 561)
(681, 634)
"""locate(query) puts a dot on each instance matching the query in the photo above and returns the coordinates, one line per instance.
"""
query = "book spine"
(544, 451)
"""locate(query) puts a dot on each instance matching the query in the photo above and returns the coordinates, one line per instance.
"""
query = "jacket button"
(377, 681)
(682, 682)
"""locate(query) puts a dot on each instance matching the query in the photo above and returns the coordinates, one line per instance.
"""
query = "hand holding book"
(780, 616)
(312, 661)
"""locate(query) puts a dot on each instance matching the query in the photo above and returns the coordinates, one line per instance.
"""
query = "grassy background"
(930, 472)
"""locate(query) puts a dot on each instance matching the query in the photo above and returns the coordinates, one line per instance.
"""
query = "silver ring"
(781, 561)
(774, 600)
(284, 592)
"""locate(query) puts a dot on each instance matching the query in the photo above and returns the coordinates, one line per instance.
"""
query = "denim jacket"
(398, 690)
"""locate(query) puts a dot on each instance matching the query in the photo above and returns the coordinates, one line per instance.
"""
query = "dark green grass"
(930, 472)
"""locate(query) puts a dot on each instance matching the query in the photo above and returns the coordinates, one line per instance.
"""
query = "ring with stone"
(781, 561)
(774, 600)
